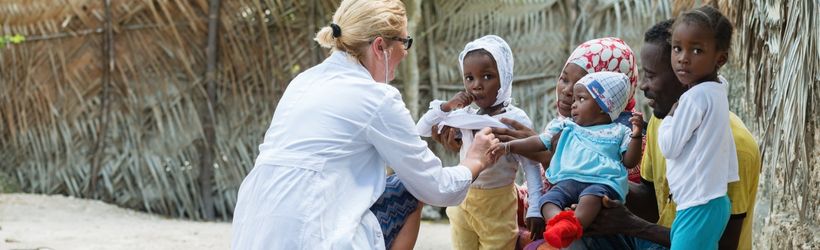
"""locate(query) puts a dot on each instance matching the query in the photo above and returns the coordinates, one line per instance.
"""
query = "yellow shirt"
(741, 193)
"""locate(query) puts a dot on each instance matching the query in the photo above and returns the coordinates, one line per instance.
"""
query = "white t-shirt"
(698, 145)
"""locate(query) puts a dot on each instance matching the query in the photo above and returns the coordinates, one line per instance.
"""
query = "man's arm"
(731, 235)
(642, 200)
(615, 218)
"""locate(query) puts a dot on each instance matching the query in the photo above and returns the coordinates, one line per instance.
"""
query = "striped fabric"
(393, 208)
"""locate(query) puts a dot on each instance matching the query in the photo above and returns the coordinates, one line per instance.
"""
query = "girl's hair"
(357, 22)
(710, 18)
(480, 52)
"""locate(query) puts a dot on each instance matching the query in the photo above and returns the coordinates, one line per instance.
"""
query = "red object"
(522, 205)
(563, 229)
(523, 232)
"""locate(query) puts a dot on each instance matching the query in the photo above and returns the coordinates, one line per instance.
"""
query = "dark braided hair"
(710, 18)
(659, 34)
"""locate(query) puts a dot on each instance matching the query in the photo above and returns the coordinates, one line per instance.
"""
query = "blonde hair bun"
(359, 21)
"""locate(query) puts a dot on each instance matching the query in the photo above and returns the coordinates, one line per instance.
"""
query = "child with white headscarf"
(487, 217)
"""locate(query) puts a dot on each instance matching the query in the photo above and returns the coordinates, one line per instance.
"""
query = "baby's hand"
(672, 110)
(637, 124)
(460, 100)
(498, 150)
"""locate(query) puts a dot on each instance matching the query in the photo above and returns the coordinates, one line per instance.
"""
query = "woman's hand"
(447, 138)
(478, 157)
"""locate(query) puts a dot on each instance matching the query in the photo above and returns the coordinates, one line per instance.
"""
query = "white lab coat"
(321, 165)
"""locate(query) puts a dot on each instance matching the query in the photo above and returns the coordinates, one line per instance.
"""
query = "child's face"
(564, 88)
(695, 57)
(481, 79)
(585, 111)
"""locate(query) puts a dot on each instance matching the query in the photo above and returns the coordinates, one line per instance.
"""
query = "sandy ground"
(29, 221)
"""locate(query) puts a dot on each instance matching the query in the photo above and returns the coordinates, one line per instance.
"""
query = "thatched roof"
(54, 121)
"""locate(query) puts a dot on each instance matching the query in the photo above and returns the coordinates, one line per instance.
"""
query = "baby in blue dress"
(591, 155)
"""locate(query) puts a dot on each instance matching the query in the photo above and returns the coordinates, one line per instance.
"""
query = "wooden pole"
(411, 77)
(431, 50)
(108, 69)
(206, 167)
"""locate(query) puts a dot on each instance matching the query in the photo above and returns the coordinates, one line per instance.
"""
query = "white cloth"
(322, 164)
(503, 172)
(503, 56)
(464, 120)
(698, 145)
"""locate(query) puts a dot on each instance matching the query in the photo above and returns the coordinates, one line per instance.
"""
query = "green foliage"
(15, 39)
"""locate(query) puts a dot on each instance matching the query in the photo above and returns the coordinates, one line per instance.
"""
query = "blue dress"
(588, 154)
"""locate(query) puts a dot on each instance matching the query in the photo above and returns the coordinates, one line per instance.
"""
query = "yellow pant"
(485, 220)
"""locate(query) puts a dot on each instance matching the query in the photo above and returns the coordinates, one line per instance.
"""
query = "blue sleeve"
(554, 127)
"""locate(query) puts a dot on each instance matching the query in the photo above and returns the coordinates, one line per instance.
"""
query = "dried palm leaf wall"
(781, 57)
(51, 91)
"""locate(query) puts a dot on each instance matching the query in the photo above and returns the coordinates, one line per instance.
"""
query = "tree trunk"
(411, 67)
(206, 167)
(108, 69)
(431, 50)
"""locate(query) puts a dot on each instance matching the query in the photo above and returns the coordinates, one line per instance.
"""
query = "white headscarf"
(502, 54)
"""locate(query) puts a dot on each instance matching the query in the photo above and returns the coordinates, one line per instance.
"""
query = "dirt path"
(29, 221)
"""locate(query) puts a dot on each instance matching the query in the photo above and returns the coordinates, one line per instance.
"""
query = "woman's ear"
(378, 47)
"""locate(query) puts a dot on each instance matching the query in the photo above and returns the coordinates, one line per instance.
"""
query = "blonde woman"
(321, 165)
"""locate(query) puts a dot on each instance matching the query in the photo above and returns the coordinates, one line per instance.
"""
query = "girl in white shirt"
(695, 138)
(487, 217)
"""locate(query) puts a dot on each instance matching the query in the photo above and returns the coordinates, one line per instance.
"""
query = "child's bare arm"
(632, 156)
(527, 145)
(518, 146)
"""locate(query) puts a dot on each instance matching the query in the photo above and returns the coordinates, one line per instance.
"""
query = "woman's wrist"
(475, 165)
